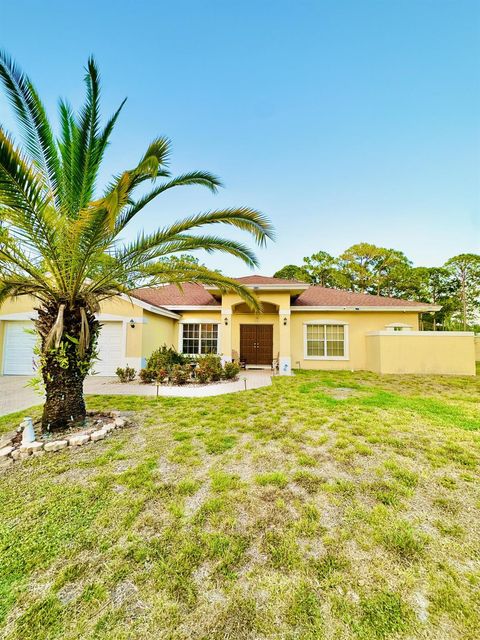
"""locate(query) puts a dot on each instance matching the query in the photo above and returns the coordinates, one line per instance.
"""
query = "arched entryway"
(257, 334)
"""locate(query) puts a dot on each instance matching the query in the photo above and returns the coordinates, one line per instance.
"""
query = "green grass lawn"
(331, 505)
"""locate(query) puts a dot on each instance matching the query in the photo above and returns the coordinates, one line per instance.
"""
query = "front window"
(200, 338)
(325, 341)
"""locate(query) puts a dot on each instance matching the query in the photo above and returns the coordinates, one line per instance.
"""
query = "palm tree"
(61, 243)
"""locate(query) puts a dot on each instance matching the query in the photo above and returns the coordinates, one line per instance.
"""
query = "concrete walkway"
(15, 395)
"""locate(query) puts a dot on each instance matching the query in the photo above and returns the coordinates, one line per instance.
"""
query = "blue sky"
(344, 121)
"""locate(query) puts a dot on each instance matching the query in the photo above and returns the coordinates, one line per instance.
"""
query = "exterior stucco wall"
(22, 304)
(279, 298)
(156, 331)
(421, 352)
(358, 322)
(120, 307)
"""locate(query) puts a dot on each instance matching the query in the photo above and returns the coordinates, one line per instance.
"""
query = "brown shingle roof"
(190, 294)
(323, 297)
(314, 296)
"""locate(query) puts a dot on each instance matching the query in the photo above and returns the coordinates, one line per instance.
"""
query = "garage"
(18, 348)
(19, 343)
(110, 349)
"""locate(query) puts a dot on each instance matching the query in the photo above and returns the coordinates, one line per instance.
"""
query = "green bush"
(231, 370)
(126, 375)
(209, 368)
(164, 358)
(160, 365)
(165, 364)
(162, 375)
(180, 373)
(146, 376)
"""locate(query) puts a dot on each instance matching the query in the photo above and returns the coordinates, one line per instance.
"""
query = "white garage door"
(18, 349)
(110, 349)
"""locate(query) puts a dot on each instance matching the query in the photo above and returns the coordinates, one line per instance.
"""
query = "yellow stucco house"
(300, 326)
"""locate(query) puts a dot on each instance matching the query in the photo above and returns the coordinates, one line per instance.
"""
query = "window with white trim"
(199, 338)
(325, 341)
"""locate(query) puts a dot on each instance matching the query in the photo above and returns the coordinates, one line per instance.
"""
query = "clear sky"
(344, 121)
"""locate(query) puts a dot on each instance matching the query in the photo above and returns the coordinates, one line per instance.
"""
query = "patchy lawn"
(330, 505)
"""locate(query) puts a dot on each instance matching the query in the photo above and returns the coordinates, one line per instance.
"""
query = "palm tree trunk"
(64, 403)
(65, 365)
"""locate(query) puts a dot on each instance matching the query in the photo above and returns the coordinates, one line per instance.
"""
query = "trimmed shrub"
(231, 370)
(209, 368)
(180, 373)
(126, 375)
(164, 358)
(162, 375)
(160, 365)
(146, 376)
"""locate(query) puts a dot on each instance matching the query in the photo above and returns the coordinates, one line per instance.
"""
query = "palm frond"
(150, 247)
(15, 286)
(65, 145)
(244, 218)
(37, 133)
(26, 205)
(157, 155)
(161, 273)
(20, 187)
(104, 136)
(15, 262)
(193, 178)
(84, 141)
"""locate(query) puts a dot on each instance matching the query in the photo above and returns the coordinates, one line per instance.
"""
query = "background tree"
(434, 285)
(372, 269)
(322, 269)
(61, 240)
(465, 269)
(366, 268)
(181, 260)
(292, 272)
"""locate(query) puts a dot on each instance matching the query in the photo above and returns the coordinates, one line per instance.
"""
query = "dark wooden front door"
(256, 343)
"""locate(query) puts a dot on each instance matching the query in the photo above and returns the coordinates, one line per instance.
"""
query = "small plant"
(403, 539)
(180, 374)
(161, 375)
(146, 376)
(231, 370)
(274, 478)
(209, 368)
(127, 374)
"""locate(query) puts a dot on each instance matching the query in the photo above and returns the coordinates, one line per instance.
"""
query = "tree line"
(366, 268)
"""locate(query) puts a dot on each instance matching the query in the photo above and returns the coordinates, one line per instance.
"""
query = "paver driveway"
(15, 395)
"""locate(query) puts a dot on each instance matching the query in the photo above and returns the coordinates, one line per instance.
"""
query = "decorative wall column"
(226, 335)
(285, 359)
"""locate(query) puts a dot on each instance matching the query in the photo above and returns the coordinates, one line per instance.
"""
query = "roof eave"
(193, 307)
(147, 306)
(267, 287)
(416, 309)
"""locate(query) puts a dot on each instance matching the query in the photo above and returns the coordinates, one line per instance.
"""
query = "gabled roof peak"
(258, 279)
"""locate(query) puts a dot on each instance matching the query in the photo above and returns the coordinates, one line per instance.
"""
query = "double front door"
(256, 344)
